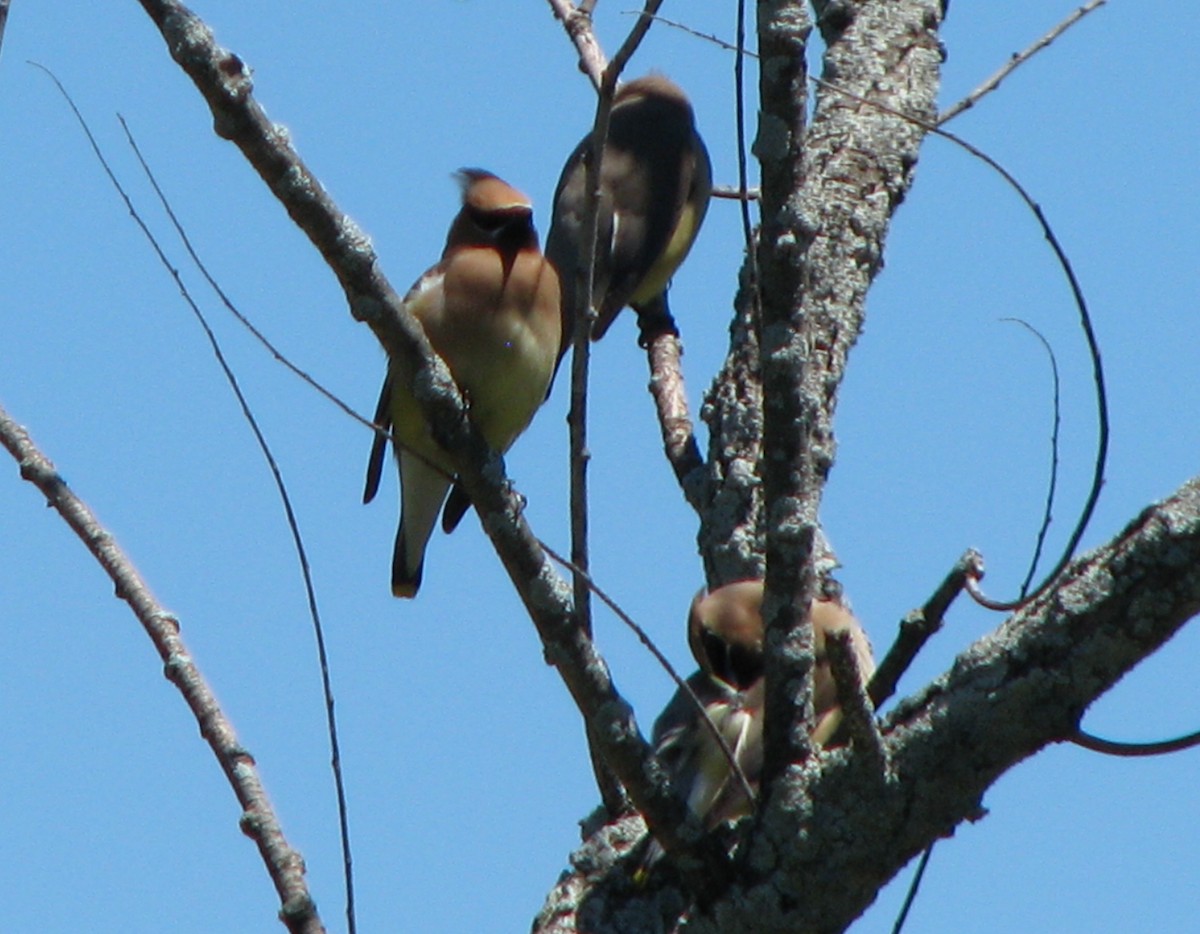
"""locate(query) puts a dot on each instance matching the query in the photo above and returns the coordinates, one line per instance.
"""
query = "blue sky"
(463, 754)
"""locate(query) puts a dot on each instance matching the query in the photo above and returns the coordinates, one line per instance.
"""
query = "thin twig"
(730, 193)
(293, 524)
(1112, 748)
(258, 821)
(259, 438)
(857, 712)
(612, 794)
(577, 21)
(739, 82)
(706, 36)
(919, 625)
(680, 683)
(912, 890)
(631, 43)
(1052, 484)
(1016, 61)
(246, 412)
(663, 353)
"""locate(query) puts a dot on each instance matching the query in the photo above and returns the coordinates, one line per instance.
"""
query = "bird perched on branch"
(655, 182)
(491, 310)
(725, 633)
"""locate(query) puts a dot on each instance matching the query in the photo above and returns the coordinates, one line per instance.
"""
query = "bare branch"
(1016, 61)
(670, 400)
(631, 43)
(258, 821)
(733, 193)
(577, 21)
(919, 625)
(857, 713)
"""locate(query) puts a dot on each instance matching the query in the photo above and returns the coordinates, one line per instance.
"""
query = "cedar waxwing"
(725, 633)
(490, 308)
(655, 182)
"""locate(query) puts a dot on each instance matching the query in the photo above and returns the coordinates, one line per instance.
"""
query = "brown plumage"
(491, 310)
(655, 182)
(725, 633)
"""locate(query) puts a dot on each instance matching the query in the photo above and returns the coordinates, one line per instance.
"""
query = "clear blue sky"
(463, 754)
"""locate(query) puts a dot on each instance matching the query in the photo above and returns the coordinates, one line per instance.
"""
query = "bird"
(655, 183)
(491, 309)
(725, 634)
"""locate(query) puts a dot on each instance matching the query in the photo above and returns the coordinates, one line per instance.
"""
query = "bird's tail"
(422, 490)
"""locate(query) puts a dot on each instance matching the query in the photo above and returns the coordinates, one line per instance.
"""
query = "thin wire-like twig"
(706, 36)
(680, 683)
(1111, 748)
(293, 524)
(242, 402)
(1052, 485)
(259, 821)
(1016, 61)
(1085, 320)
(912, 890)
(739, 80)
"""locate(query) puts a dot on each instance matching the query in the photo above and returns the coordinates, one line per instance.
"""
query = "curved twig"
(1112, 748)
(244, 404)
(1085, 321)
(1052, 484)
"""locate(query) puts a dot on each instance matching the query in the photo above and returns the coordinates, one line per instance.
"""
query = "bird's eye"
(501, 219)
(736, 665)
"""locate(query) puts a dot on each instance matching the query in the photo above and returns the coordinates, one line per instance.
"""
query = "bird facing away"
(490, 308)
(655, 182)
(725, 633)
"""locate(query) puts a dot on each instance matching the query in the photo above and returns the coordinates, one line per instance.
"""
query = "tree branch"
(828, 193)
(284, 864)
(1018, 59)
(663, 353)
(919, 625)
(577, 21)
